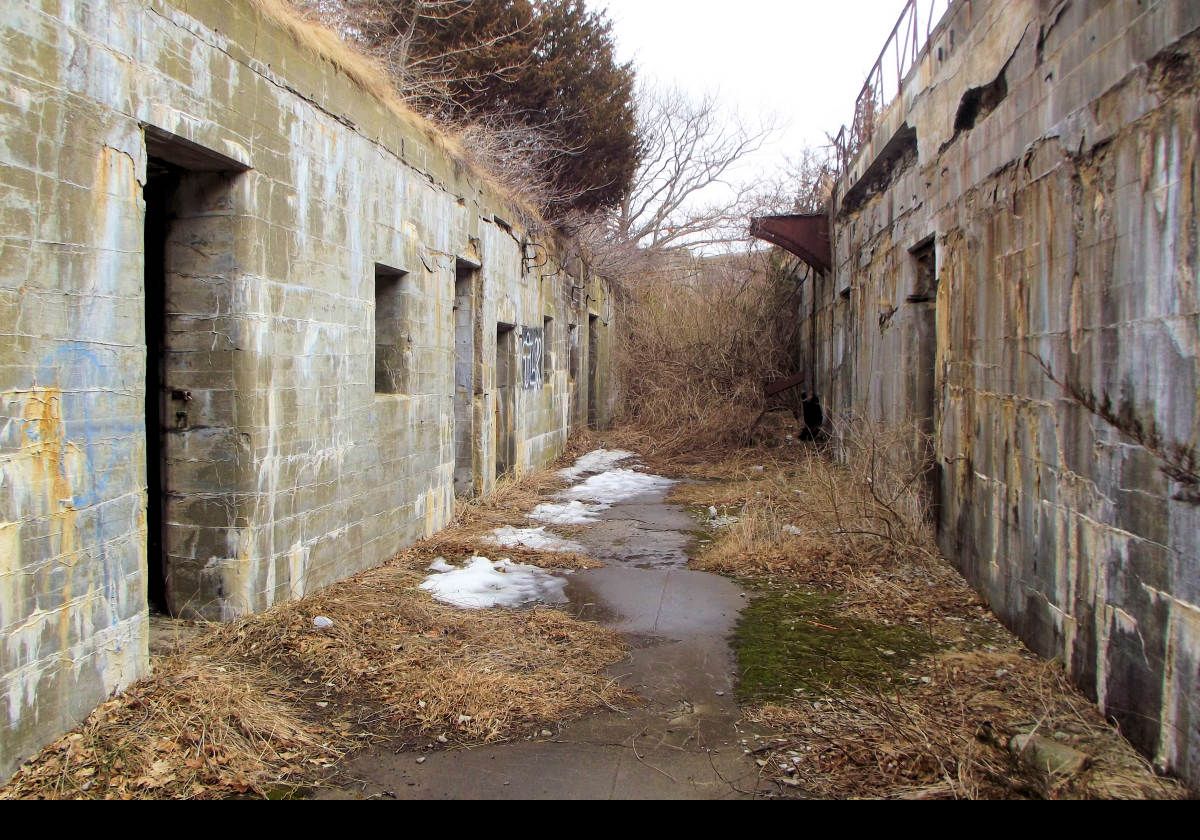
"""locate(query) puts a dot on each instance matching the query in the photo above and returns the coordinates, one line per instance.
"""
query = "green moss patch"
(791, 641)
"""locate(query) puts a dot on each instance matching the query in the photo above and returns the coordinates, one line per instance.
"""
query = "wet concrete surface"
(681, 740)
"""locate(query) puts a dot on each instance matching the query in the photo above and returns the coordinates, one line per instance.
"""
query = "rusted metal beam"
(781, 385)
(805, 235)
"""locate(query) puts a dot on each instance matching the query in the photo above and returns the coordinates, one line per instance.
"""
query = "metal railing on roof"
(900, 53)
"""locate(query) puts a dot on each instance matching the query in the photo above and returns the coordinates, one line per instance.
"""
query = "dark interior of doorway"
(593, 369)
(923, 371)
(506, 398)
(465, 382)
(162, 180)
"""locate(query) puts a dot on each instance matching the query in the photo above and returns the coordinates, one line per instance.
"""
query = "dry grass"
(507, 504)
(198, 728)
(949, 737)
(326, 45)
(271, 700)
(941, 724)
(699, 340)
(856, 527)
(398, 663)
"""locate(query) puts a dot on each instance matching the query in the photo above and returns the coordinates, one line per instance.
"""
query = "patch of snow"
(616, 486)
(440, 565)
(595, 461)
(793, 530)
(482, 584)
(533, 538)
(571, 513)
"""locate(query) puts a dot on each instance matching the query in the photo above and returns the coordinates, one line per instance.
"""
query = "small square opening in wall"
(925, 282)
(392, 351)
(547, 348)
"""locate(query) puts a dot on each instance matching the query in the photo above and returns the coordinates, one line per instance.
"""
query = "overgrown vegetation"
(531, 88)
(922, 691)
(699, 338)
(272, 701)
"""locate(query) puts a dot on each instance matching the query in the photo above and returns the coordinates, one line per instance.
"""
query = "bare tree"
(522, 158)
(685, 197)
(803, 185)
(683, 193)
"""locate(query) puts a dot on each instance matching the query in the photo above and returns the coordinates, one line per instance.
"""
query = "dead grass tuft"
(327, 45)
(398, 663)
(198, 728)
(946, 736)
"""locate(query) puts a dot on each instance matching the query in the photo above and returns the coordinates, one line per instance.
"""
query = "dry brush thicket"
(699, 338)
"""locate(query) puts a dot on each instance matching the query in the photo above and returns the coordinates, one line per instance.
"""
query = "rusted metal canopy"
(805, 235)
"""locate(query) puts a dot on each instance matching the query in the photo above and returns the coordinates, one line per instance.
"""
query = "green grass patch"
(791, 641)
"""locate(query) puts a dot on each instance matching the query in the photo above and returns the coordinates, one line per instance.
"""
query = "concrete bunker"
(1027, 260)
(249, 337)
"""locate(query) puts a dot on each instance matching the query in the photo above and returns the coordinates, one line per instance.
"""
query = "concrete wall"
(283, 467)
(1048, 151)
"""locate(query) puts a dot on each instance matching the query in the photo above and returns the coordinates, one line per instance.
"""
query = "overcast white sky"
(803, 60)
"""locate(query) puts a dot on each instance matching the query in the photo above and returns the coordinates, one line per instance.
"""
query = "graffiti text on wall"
(532, 339)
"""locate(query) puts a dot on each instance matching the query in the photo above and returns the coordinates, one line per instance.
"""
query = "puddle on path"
(681, 741)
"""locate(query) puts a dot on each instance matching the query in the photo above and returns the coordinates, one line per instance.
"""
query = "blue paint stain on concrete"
(88, 378)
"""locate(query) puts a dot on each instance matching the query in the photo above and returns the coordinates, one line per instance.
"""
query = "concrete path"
(681, 742)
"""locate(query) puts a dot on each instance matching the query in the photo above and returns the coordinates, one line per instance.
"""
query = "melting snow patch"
(571, 513)
(793, 530)
(440, 565)
(482, 584)
(534, 538)
(596, 461)
(617, 486)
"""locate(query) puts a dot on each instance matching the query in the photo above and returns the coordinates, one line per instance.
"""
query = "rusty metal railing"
(900, 53)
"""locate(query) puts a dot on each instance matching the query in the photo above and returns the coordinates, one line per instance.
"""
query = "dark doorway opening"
(162, 181)
(465, 385)
(506, 398)
(923, 370)
(593, 370)
(187, 237)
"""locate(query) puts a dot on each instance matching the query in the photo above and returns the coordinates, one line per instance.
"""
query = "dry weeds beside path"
(882, 671)
(271, 704)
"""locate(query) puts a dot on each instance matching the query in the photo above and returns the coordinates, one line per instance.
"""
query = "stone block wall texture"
(1054, 166)
(283, 468)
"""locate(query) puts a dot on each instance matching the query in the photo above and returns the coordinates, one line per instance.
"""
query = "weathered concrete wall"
(1048, 151)
(285, 465)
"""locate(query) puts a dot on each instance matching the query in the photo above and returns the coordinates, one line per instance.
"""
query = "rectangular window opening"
(393, 350)
(573, 351)
(925, 282)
